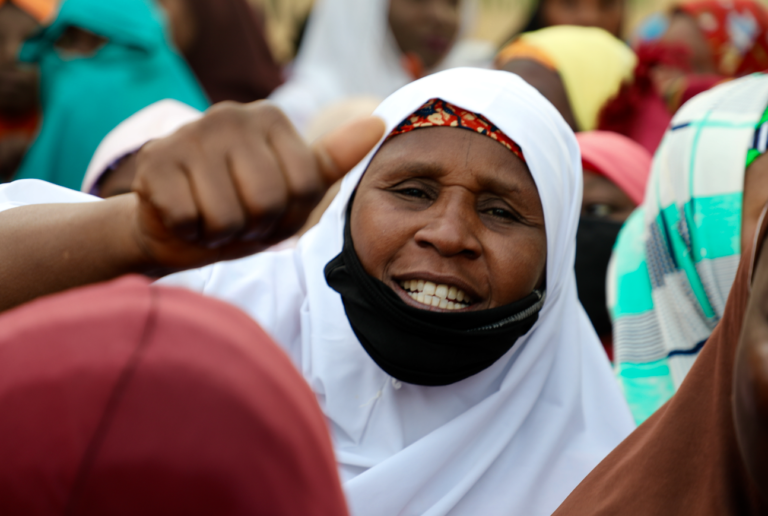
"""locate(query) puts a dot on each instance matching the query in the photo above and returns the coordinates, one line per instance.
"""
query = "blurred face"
(606, 14)
(18, 82)
(451, 209)
(425, 28)
(684, 30)
(604, 199)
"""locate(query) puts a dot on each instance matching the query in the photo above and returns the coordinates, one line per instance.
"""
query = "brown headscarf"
(127, 399)
(685, 458)
(229, 54)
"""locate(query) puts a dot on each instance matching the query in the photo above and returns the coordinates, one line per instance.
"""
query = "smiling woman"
(434, 410)
(500, 405)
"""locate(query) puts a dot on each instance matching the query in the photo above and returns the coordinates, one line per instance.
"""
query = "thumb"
(338, 152)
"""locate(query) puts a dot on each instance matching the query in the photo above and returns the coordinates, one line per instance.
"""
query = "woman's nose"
(451, 229)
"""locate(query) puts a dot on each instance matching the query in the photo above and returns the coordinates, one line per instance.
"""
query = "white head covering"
(513, 439)
(348, 50)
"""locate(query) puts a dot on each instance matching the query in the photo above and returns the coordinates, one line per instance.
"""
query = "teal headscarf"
(84, 98)
(676, 257)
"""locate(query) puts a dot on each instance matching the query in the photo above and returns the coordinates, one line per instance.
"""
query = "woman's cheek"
(519, 269)
(376, 233)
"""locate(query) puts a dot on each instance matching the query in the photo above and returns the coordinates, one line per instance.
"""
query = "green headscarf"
(84, 98)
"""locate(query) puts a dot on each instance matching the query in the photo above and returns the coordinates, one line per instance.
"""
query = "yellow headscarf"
(591, 62)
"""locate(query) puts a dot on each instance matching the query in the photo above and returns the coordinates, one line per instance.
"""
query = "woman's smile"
(439, 296)
(425, 291)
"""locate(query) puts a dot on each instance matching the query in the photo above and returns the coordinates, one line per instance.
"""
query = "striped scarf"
(677, 255)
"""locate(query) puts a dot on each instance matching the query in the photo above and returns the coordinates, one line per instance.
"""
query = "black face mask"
(594, 245)
(419, 346)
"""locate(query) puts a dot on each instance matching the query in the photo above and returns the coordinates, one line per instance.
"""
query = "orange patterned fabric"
(41, 10)
(438, 113)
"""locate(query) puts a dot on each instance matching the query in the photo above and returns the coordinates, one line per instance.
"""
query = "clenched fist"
(235, 182)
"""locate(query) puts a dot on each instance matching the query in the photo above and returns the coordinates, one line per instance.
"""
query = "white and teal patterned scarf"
(677, 255)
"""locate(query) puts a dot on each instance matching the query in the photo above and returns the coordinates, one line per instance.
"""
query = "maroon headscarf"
(230, 55)
(685, 458)
(128, 399)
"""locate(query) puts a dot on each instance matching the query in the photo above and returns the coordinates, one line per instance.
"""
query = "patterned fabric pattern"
(677, 255)
(438, 113)
(760, 142)
(736, 32)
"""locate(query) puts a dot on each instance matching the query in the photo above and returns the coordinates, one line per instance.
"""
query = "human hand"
(235, 182)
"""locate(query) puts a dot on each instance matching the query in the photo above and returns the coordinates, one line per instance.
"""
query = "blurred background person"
(615, 170)
(223, 42)
(727, 39)
(578, 69)
(19, 106)
(677, 255)
(285, 24)
(371, 48)
(127, 398)
(696, 46)
(100, 62)
(605, 14)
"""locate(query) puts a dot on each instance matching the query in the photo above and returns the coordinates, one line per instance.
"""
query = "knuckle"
(177, 218)
(225, 224)
(223, 116)
(268, 115)
(266, 206)
(225, 106)
(306, 189)
(148, 163)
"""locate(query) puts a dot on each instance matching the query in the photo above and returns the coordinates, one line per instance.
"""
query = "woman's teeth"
(440, 296)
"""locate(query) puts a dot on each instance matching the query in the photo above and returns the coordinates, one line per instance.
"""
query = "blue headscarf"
(84, 98)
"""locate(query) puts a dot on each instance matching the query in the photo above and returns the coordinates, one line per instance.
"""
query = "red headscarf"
(737, 32)
(128, 399)
(624, 162)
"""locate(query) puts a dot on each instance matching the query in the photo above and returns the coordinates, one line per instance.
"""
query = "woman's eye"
(413, 192)
(598, 210)
(500, 213)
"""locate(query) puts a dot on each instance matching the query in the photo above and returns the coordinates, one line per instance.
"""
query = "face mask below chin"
(594, 245)
(422, 347)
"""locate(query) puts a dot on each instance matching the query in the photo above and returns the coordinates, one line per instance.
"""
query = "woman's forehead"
(454, 155)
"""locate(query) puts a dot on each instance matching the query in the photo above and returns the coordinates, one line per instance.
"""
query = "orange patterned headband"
(41, 10)
(437, 113)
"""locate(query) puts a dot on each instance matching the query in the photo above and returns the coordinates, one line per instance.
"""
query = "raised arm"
(231, 184)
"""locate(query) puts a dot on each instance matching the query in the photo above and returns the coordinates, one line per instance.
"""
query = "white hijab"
(348, 51)
(513, 439)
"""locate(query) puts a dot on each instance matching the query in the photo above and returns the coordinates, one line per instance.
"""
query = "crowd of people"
(399, 275)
